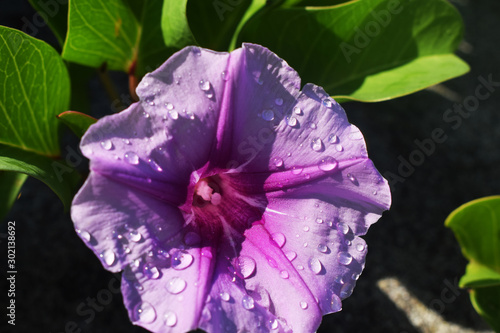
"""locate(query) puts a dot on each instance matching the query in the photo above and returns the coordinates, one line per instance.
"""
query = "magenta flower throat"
(231, 200)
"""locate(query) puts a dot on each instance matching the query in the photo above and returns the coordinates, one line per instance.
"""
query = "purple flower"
(231, 200)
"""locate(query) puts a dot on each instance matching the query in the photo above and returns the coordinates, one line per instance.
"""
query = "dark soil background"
(57, 274)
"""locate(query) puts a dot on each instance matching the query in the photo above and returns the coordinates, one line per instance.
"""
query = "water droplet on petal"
(181, 260)
(224, 75)
(247, 302)
(84, 234)
(268, 115)
(190, 115)
(352, 178)
(169, 106)
(332, 139)
(344, 258)
(296, 170)
(335, 303)
(272, 324)
(297, 111)
(339, 148)
(304, 305)
(145, 114)
(346, 290)
(107, 144)
(291, 121)
(192, 238)
(205, 314)
(317, 144)
(355, 276)
(360, 247)
(306, 228)
(154, 165)
(291, 255)
(343, 228)
(319, 221)
(315, 265)
(151, 271)
(109, 257)
(225, 296)
(131, 158)
(145, 312)
(328, 164)
(150, 100)
(284, 274)
(173, 114)
(278, 162)
(279, 239)
(374, 192)
(138, 286)
(271, 262)
(170, 319)
(135, 236)
(278, 101)
(176, 285)
(327, 102)
(246, 266)
(322, 248)
(204, 85)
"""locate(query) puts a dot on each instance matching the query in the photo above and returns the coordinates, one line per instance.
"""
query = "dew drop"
(335, 303)
(278, 162)
(272, 324)
(268, 115)
(343, 228)
(131, 158)
(271, 262)
(360, 247)
(224, 75)
(319, 221)
(279, 239)
(328, 102)
(315, 265)
(306, 228)
(339, 148)
(170, 319)
(291, 255)
(84, 234)
(317, 144)
(204, 85)
(145, 114)
(247, 302)
(344, 258)
(169, 106)
(205, 314)
(145, 312)
(155, 166)
(126, 141)
(352, 178)
(126, 249)
(346, 290)
(192, 238)
(300, 267)
(332, 139)
(246, 266)
(291, 121)
(138, 286)
(150, 100)
(284, 274)
(134, 236)
(322, 248)
(303, 305)
(109, 257)
(151, 271)
(176, 285)
(328, 164)
(106, 144)
(278, 101)
(374, 192)
(296, 170)
(173, 114)
(225, 296)
(190, 115)
(297, 111)
(355, 276)
(181, 260)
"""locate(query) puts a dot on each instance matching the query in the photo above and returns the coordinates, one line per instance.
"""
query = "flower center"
(207, 191)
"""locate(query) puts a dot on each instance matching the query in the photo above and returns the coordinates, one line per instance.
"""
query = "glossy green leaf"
(78, 122)
(35, 88)
(476, 225)
(486, 301)
(55, 13)
(101, 32)
(57, 174)
(369, 50)
(10, 183)
(176, 31)
(312, 3)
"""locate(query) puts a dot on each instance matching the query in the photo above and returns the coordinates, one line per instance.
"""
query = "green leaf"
(312, 3)
(174, 25)
(55, 14)
(10, 183)
(57, 174)
(78, 122)
(35, 88)
(476, 225)
(486, 301)
(370, 50)
(101, 32)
